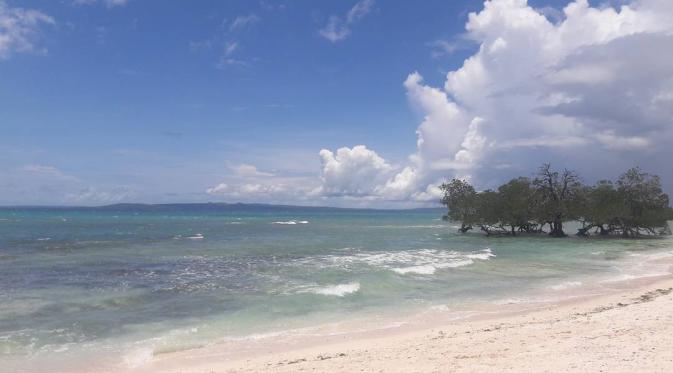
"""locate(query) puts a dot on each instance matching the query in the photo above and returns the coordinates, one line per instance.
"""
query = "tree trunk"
(557, 229)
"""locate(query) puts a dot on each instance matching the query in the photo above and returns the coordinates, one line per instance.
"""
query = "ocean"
(118, 280)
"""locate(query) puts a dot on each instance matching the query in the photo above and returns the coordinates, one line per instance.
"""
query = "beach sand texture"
(631, 331)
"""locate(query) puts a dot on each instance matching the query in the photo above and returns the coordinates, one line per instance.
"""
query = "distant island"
(633, 206)
(216, 207)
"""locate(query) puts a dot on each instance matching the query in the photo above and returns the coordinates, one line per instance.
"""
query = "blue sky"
(163, 101)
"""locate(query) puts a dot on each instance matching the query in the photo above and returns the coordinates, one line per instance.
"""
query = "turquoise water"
(181, 277)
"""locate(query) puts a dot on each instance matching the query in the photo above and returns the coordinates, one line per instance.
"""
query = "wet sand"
(630, 329)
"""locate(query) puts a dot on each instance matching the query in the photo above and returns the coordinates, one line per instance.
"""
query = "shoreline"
(441, 343)
(365, 341)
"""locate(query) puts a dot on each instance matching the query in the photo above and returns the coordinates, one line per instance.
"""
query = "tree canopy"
(633, 206)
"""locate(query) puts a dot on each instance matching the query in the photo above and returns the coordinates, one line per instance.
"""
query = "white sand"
(628, 331)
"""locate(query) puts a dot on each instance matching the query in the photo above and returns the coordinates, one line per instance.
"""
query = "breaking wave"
(339, 290)
(417, 262)
(291, 222)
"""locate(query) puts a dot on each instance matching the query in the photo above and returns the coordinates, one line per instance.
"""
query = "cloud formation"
(246, 183)
(582, 91)
(20, 30)
(339, 28)
(243, 21)
(355, 171)
(226, 41)
(588, 88)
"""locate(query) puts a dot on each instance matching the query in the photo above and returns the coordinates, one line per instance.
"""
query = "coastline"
(629, 328)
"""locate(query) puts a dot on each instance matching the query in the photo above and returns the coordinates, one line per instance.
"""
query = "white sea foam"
(197, 236)
(629, 276)
(44, 239)
(485, 254)
(415, 262)
(662, 255)
(291, 222)
(565, 285)
(440, 307)
(421, 270)
(506, 301)
(339, 290)
(139, 357)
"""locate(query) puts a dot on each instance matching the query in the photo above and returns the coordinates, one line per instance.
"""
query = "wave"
(198, 236)
(565, 285)
(485, 254)
(339, 290)
(291, 222)
(442, 226)
(629, 277)
(415, 262)
(420, 270)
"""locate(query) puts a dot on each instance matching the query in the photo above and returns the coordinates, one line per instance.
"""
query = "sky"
(366, 103)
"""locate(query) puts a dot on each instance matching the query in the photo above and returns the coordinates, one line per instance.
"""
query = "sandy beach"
(626, 331)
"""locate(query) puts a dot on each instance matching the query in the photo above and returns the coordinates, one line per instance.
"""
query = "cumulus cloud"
(578, 89)
(355, 171)
(339, 28)
(588, 88)
(20, 30)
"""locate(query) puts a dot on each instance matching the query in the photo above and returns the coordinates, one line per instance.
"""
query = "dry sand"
(627, 331)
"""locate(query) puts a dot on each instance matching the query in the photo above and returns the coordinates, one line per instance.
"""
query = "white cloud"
(98, 196)
(230, 47)
(112, 3)
(243, 21)
(43, 184)
(45, 172)
(40, 169)
(226, 58)
(108, 3)
(585, 87)
(246, 170)
(339, 28)
(20, 29)
(221, 188)
(612, 141)
(589, 88)
(355, 171)
(246, 183)
(443, 47)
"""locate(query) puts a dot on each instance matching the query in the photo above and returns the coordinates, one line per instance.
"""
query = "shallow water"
(135, 282)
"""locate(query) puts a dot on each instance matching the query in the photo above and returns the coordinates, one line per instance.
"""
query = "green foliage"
(560, 196)
(602, 206)
(645, 204)
(517, 204)
(634, 205)
(460, 198)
